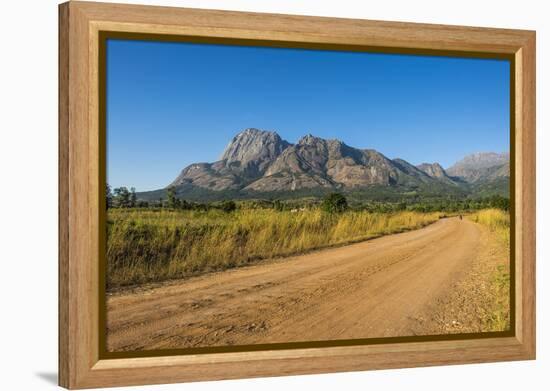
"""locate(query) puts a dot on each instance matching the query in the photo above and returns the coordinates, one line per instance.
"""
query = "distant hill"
(258, 163)
(483, 166)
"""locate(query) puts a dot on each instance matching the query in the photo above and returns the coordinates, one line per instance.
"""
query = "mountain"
(315, 162)
(245, 158)
(252, 151)
(261, 163)
(485, 173)
(434, 170)
(481, 167)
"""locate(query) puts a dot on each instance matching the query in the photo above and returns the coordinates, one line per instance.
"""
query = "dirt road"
(378, 288)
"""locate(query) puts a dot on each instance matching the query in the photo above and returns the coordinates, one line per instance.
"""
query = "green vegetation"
(148, 245)
(228, 206)
(327, 201)
(334, 203)
(498, 223)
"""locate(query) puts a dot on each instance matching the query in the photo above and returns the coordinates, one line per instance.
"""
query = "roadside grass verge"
(498, 223)
(147, 245)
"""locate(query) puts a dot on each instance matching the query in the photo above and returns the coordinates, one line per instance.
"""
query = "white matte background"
(28, 194)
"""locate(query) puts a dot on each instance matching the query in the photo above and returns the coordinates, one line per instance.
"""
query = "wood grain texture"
(64, 354)
(80, 365)
(526, 235)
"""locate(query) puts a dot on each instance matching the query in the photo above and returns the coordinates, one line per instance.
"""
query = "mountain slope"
(434, 170)
(483, 166)
(244, 159)
(252, 151)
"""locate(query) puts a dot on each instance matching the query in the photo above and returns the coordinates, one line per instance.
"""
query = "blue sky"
(172, 104)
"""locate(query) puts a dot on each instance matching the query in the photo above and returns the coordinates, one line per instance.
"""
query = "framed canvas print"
(248, 195)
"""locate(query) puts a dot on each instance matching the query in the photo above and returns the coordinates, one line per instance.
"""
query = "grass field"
(150, 245)
(498, 222)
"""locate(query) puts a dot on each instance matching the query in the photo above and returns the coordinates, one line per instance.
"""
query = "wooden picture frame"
(81, 364)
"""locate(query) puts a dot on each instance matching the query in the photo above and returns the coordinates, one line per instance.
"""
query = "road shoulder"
(480, 301)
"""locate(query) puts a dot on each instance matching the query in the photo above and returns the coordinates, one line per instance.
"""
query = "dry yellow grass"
(155, 245)
(498, 222)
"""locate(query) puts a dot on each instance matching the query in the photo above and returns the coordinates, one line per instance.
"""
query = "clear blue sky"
(172, 104)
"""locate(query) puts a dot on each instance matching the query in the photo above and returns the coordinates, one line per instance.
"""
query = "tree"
(278, 205)
(228, 206)
(109, 197)
(334, 203)
(133, 197)
(499, 202)
(401, 205)
(122, 197)
(172, 199)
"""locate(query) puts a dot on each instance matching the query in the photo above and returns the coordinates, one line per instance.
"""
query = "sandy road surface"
(378, 288)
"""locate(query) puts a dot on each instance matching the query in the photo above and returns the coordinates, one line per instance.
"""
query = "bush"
(334, 203)
(228, 206)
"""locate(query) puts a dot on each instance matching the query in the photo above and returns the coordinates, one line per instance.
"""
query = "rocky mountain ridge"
(482, 166)
(259, 161)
